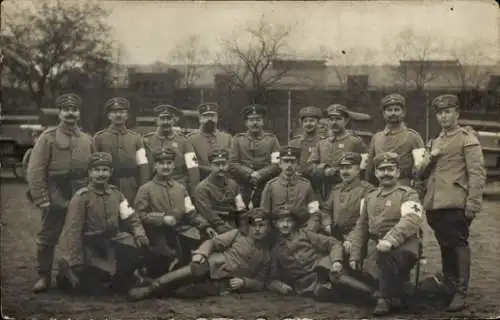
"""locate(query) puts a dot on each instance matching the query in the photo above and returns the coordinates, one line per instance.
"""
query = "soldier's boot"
(355, 284)
(44, 257)
(382, 308)
(449, 267)
(463, 259)
(168, 281)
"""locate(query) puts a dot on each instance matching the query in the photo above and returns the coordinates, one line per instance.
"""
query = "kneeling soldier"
(218, 198)
(389, 224)
(235, 261)
(104, 235)
(301, 257)
(169, 217)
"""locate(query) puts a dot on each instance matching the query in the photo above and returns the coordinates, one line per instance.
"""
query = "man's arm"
(314, 221)
(370, 168)
(193, 217)
(219, 243)
(141, 160)
(476, 173)
(272, 169)
(143, 209)
(236, 168)
(359, 235)
(191, 162)
(36, 174)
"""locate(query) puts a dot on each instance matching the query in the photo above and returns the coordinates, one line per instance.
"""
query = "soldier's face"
(99, 174)
(69, 115)
(164, 167)
(220, 167)
(387, 176)
(118, 117)
(255, 122)
(447, 118)
(288, 166)
(208, 120)
(337, 123)
(394, 113)
(348, 172)
(258, 230)
(310, 124)
(166, 121)
(285, 225)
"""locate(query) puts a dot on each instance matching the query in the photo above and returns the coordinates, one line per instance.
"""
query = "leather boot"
(458, 301)
(354, 283)
(382, 308)
(44, 257)
(449, 267)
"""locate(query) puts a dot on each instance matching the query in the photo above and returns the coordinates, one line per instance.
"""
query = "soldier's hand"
(347, 246)
(286, 289)
(198, 258)
(354, 265)
(328, 229)
(236, 283)
(255, 178)
(211, 232)
(470, 215)
(337, 267)
(141, 241)
(44, 206)
(384, 245)
(169, 221)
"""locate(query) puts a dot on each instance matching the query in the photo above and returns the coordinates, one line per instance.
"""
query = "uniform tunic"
(203, 143)
(130, 167)
(306, 144)
(217, 200)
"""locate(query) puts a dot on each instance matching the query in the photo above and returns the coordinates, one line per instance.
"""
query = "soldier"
(291, 189)
(389, 224)
(186, 169)
(233, 261)
(218, 198)
(57, 168)
(254, 156)
(322, 164)
(455, 174)
(103, 233)
(303, 260)
(169, 217)
(130, 167)
(341, 210)
(209, 137)
(397, 138)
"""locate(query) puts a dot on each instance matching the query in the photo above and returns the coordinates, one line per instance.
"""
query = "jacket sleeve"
(131, 218)
(315, 169)
(273, 168)
(476, 173)
(219, 243)
(266, 201)
(143, 209)
(236, 168)
(192, 216)
(359, 235)
(410, 222)
(326, 245)
(37, 172)
(327, 211)
(73, 233)
(360, 146)
(202, 203)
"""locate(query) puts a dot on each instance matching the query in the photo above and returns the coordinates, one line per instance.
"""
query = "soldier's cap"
(167, 109)
(254, 109)
(350, 158)
(392, 99)
(290, 152)
(100, 158)
(164, 154)
(283, 212)
(386, 159)
(310, 111)
(69, 100)
(117, 103)
(338, 110)
(218, 154)
(208, 107)
(256, 215)
(445, 101)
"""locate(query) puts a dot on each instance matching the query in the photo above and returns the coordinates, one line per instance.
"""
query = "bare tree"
(55, 39)
(250, 58)
(190, 54)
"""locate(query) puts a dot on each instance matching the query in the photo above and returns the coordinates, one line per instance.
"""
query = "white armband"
(364, 161)
(190, 159)
(140, 157)
(188, 205)
(125, 210)
(419, 157)
(275, 157)
(313, 207)
(362, 205)
(411, 207)
(240, 204)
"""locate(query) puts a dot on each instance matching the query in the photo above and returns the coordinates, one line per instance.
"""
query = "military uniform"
(395, 216)
(203, 143)
(156, 199)
(295, 192)
(102, 233)
(402, 141)
(254, 153)
(327, 152)
(455, 180)
(57, 168)
(130, 167)
(219, 201)
(186, 166)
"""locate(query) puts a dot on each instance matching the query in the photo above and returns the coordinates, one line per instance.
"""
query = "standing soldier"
(254, 156)
(388, 227)
(456, 177)
(309, 120)
(186, 169)
(292, 190)
(323, 162)
(57, 168)
(130, 165)
(217, 197)
(209, 137)
(397, 138)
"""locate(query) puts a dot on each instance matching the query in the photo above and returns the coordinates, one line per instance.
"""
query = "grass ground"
(19, 224)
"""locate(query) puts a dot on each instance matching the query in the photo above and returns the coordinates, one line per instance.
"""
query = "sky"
(148, 30)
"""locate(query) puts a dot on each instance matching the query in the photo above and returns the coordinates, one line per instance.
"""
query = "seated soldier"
(169, 217)
(302, 260)
(293, 190)
(104, 235)
(341, 210)
(233, 261)
(217, 197)
(389, 224)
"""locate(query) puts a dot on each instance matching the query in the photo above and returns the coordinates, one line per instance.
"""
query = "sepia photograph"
(250, 159)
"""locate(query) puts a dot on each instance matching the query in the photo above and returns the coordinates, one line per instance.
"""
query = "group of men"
(209, 213)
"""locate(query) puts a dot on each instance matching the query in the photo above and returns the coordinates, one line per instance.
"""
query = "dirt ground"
(20, 222)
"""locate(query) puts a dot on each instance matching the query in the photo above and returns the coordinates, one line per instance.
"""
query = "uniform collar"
(285, 181)
(160, 135)
(385, 193)
(310, 138)
(70, 131)
(351, 184)
(393, 131)
(258, 137)
(206, 134)
(334, 138)
(163, 183)
(117, 130)
(449, 133)
(106, 190)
